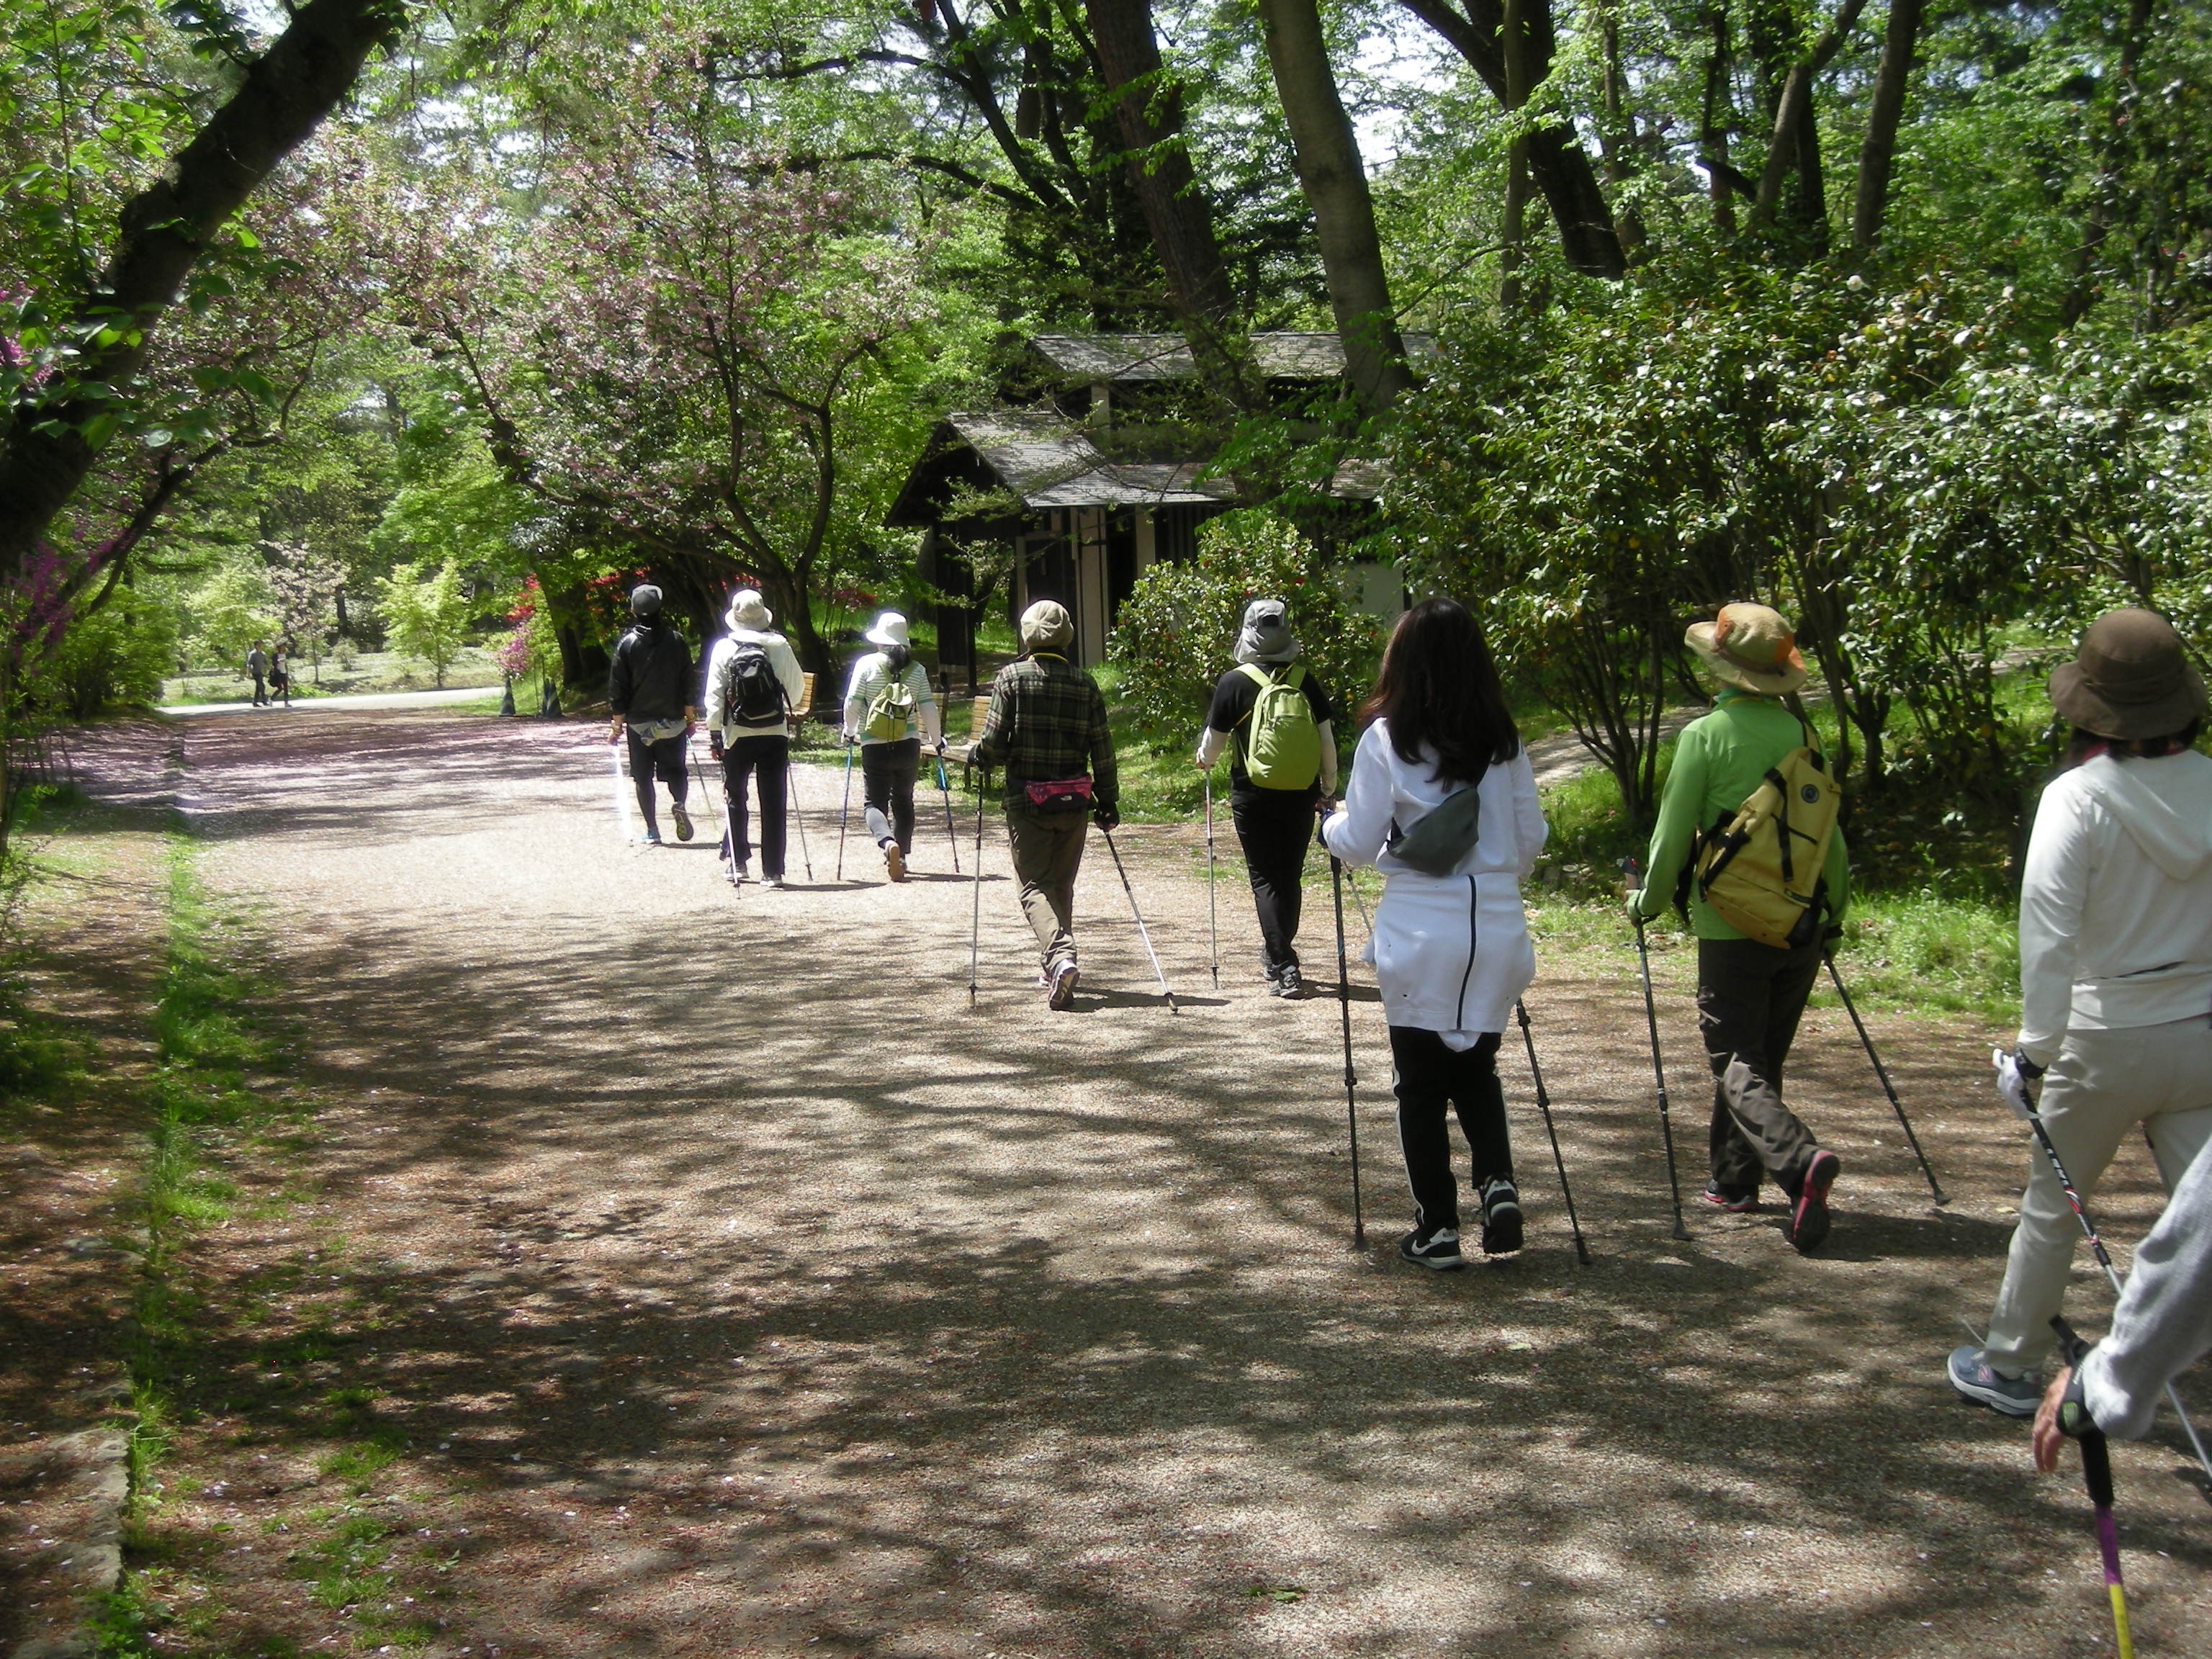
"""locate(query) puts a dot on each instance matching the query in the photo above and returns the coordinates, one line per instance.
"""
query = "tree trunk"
(162, 232)
(1558, 163)
(1330, 172)
(1794, 146)
(1148, 107)
(1878, 150)
(1721, 179)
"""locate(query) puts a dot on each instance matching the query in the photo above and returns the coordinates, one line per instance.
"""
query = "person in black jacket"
(649, 691)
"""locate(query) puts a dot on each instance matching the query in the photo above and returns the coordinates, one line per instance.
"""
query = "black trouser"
(767, 761)
(649, 759)
(887, 773)
(1427, 1076)
(260, 691)
(1274, 827)
(1750, 997)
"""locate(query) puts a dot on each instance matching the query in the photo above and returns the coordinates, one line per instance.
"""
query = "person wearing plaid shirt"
(1047, 727)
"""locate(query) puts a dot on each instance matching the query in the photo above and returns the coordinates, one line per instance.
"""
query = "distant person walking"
(1277, 723)
(889, 711)
(1047, 726)
(280, 674)
(1443, 802)
(2115, 966)
(256, 664)
(1750, 995)
(649, 693)
(753, 686)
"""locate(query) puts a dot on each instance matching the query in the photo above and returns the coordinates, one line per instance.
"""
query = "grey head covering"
(645, 601)
(1266, 635)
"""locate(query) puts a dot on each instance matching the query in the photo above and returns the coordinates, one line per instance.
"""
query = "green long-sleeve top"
(1719, 759)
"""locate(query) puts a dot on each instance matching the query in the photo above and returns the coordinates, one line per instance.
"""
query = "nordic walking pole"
(1881, 1071)
(1544, 1105)
(621, 800)
(1344, 1009)
(975, 907)
(1658, 1068)
(1141, 932)
(2097, 1474)
(1212, 924)
(2019, 1103)
(845, 812)
(791, 805)
(952, 835)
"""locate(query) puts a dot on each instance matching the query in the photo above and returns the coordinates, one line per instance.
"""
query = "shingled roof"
(1048, 462)
(1279, 356)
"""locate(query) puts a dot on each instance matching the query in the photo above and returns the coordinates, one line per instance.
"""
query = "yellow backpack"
(1760, 871)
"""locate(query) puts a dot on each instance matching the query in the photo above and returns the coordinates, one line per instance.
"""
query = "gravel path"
(741, 1290)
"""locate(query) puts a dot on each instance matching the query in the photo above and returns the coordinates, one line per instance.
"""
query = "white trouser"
(2102, 1085)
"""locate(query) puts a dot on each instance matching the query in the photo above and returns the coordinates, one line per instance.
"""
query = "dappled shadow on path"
(784, 1304)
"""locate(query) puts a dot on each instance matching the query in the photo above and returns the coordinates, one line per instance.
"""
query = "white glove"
(2012, 1082)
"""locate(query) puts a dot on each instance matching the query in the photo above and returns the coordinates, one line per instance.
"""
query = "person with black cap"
(1047, 726)
(1750, 994)
(649, 693)
(2115, 967)
(1277, 723)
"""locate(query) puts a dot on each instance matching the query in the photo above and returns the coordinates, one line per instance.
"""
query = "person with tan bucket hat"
(1750, 995)
(889, 711)
(2115, 966)
(1047, 726)
(753, 688)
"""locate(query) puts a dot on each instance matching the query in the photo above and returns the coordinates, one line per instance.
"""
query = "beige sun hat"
(747, 610)
(889, 630)
(2130, 679)
(1752, 647)
(1045, 626)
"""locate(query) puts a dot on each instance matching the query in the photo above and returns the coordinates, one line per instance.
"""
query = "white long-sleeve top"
(2164, 1320)
(2116, 900)
(781, 658)
(870, 675)
(1451, 952)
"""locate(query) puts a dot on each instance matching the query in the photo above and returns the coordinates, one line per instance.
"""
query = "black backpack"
(751, 695)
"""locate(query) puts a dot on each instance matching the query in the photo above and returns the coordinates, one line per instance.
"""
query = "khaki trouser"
(1047, 853)
(2102, 1085)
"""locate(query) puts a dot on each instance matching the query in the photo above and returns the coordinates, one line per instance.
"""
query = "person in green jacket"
(1750, 995)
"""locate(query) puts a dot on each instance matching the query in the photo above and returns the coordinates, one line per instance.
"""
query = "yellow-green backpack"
(1760, 871)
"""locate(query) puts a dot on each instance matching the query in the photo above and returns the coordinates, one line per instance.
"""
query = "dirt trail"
(741, 1291)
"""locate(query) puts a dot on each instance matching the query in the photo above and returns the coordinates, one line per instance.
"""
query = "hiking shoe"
(1501, 1219)
(1971, 1376)
(894, 860)
(683, 820)
(1808, 1215)
(1064, 979)
(1436, 1247)
(1287, 982)
(1733, 1200)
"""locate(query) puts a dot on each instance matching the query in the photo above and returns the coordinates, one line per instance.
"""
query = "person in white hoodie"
(888, 703)
(2115, 966)
(1450, 945)
(753, 685)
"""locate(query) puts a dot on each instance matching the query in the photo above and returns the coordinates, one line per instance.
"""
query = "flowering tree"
(722, 361)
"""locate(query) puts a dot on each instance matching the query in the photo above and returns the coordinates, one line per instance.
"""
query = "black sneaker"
(1437, 1248)
(1808, 1215)
(1287, 982)
(1501, 1219)
(683, 820)
(1733, 1200)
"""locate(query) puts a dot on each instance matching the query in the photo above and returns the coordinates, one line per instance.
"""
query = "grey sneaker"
(683, 820)
(1971, 1376)
(1437, 1248)
(1063, 981)
(1287, 982)
(1501, 1219)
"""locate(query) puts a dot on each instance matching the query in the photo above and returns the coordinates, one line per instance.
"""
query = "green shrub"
(1179, 624)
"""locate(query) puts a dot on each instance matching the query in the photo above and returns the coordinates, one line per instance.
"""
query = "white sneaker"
(771, 883)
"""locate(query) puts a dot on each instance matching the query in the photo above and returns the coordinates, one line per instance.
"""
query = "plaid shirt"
(1047, 721)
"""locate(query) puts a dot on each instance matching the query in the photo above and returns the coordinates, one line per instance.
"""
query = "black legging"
(1427, 1076)
(1274, 827)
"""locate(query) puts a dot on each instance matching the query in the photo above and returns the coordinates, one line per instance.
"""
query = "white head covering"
(746, 610)
(889, 630)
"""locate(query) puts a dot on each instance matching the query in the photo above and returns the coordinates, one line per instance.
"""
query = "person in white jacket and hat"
(2115, 967)
(1450, 947)
(753, 688)
(889, 711)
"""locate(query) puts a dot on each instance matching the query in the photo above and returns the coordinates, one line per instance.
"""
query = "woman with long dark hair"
(1443, 802)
